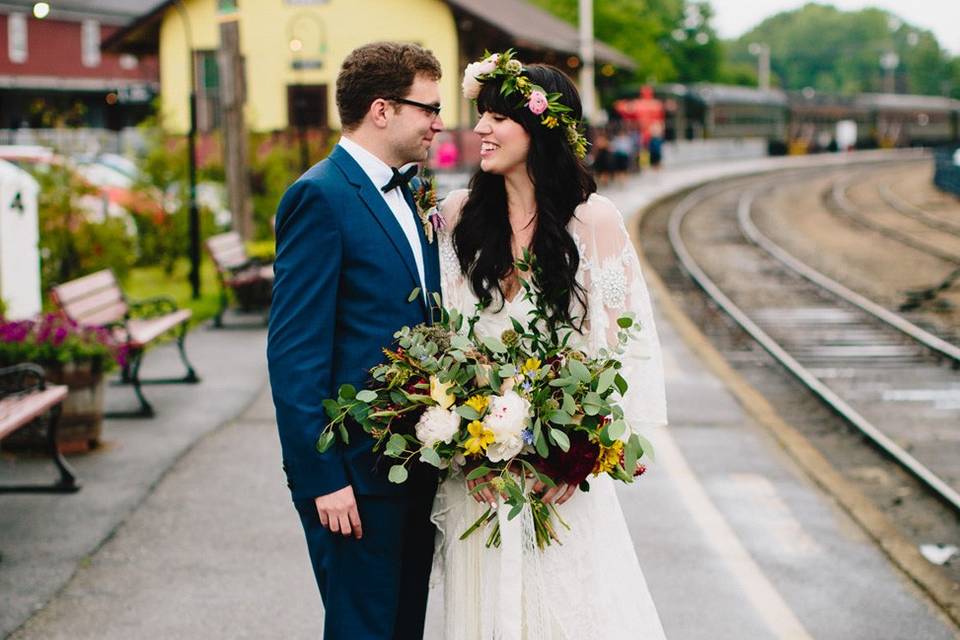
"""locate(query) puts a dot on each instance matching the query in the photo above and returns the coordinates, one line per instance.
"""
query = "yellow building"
(292, 50)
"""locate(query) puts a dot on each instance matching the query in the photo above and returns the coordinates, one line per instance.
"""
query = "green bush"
(71, 243)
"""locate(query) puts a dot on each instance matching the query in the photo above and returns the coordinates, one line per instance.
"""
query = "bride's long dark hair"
(482, 237)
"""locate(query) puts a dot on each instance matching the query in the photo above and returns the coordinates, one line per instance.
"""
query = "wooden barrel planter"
(81, 422)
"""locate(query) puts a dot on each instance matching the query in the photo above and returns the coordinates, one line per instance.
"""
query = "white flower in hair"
(471, 86)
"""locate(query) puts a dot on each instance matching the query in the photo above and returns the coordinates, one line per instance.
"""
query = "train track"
(889, 379)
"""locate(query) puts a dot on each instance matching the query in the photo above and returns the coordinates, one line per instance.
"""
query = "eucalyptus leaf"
(606, 379)
(413, 295)
(569, 404)
(467, 412)
(617, 429)
(515, 511)
(348, 391)
(430, 456)
(324, 442)
(493, 344)
(625, 322)
(367, 396)
(398, 474)
(332, 408)
(560, 417)
(344, 434)
(396, 445)
(579, 370)
(479, 472)
(560, 439)
(460, 342)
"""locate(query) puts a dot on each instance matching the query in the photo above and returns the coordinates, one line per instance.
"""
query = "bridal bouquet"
(516, 407)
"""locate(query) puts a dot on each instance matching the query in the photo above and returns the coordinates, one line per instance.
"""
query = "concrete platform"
(736, 542)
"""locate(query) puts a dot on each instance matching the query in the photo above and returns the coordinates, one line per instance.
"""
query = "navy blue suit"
(343, 275)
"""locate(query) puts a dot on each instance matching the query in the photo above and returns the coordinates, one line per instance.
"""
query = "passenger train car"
(806, 121)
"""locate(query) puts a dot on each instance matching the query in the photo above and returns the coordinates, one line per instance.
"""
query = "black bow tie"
(400, 178)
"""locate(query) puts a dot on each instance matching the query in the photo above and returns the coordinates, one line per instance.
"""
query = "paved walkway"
(735, 541)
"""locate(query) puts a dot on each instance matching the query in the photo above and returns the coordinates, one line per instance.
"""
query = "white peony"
(437, 425)
(504, 450)
(507, 417)
(471, 86)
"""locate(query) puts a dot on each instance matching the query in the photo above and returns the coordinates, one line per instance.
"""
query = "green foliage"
(275, 163)
(838, 51)
(648, 31)
(72, 243)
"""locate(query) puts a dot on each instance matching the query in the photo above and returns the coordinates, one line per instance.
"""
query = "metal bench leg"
(191, 376)
(218, 319)
(68, 481)
(146, 410)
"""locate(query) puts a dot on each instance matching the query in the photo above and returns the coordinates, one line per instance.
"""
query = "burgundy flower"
(574, 465)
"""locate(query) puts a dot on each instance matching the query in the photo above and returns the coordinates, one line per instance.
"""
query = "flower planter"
(81, 421)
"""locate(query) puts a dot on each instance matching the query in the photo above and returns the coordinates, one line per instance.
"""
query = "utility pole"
(588, 91)
(194, 211)
(762, 51)
(232, 99)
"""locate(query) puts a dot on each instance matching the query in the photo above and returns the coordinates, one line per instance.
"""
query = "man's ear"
(378, 112)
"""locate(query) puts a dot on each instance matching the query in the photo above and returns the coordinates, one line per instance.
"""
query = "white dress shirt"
(380, 174)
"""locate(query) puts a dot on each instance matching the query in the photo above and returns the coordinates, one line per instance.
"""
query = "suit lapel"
(378, 208)
(431, 260)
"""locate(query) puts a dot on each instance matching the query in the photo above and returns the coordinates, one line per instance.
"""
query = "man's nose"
(437, 123)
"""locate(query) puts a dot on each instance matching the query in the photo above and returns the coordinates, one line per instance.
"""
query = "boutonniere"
(425, 197)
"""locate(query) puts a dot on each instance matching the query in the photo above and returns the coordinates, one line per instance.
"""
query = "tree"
(670, 40)
(838, 51)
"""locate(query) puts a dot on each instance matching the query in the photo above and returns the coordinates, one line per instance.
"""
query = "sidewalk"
(44, 538)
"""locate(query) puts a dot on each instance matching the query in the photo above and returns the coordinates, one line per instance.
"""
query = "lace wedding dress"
(590, 586)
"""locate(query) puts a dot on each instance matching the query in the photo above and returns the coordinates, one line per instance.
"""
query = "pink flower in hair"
(538, 102)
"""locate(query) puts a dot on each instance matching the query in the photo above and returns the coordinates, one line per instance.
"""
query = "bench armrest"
(21, 378)
(152, 307)
(249, 264)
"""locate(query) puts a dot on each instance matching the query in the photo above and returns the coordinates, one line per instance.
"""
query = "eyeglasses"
(432, 109)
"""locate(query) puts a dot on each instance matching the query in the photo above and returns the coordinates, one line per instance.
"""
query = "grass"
(147, 282)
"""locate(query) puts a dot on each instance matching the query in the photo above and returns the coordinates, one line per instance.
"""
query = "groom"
(350, 249)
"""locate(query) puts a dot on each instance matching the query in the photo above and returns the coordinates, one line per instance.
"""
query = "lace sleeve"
(451, 280)
(610, 273)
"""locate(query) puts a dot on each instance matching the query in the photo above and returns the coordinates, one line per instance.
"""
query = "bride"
(533, 193)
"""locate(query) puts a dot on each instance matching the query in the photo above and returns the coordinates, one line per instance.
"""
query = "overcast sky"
(734, 17)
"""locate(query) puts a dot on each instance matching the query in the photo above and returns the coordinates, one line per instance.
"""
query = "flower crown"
(547, 105)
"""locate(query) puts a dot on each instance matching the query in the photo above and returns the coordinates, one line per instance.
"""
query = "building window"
(90, 43)
(17, 37)
(208, 90)
(307, 105)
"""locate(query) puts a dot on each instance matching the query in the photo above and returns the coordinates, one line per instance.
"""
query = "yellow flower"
(439, 391)
(609, 458)
(478, 403)
(550, 122)
(480, 438)
(531, 365)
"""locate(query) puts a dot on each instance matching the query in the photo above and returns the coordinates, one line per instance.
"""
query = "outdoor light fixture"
(41, 10)
(296, 45)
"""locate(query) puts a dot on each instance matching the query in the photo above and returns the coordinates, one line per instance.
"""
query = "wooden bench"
(97, 300)
(24, 398)
(250, 280)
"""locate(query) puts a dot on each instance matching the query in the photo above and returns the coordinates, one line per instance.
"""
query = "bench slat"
(113, 313)
(17, 411)
(103, 301)
(68, 292)
(142, 331)
(223, 241)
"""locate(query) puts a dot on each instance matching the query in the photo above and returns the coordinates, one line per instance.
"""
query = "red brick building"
(53, 72)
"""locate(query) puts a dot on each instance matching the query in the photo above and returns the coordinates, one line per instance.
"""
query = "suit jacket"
(343, 275)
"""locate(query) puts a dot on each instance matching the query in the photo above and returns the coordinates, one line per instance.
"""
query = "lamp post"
(192, 158)
(587, 86)
(762, 51)
(889, 63)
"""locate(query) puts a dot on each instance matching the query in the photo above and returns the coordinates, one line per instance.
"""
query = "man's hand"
(338, 512)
